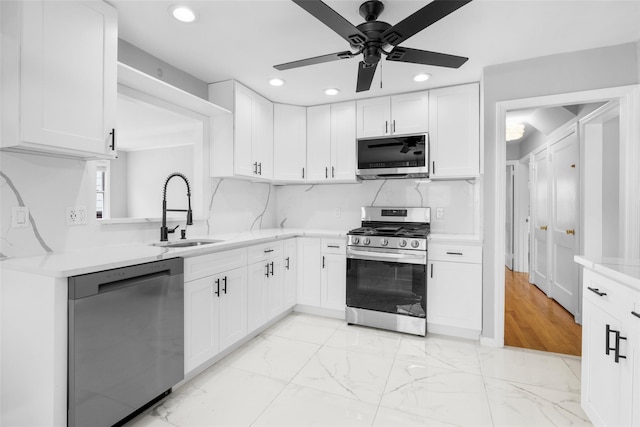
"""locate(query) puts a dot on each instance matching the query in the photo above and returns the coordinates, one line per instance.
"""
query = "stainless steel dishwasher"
(126, 340)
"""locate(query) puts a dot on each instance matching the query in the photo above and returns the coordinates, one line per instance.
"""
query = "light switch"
(439, 213)
(20, 217)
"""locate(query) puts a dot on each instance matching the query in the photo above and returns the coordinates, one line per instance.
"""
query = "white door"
(509, 194)
(233, 306)
(562, 227)
(343, 141)
(334, 279)
(201, 322)
(318, 142)
(540, 220)
(289, 272)
(309, 270)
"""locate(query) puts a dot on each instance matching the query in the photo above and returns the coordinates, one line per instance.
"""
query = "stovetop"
(414, 231)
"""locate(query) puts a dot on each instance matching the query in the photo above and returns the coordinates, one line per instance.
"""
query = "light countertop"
(89, 260)
(624, 271)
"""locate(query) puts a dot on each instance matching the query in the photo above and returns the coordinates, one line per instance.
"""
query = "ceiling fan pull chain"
(381, 74)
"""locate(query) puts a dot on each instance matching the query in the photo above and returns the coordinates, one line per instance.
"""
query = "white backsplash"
(48, 185)
(317, 206)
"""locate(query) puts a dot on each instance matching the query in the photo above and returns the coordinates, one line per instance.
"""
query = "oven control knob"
(402, 243)
(384, 242)
(415, 244)
(355, 240)
(366, 241)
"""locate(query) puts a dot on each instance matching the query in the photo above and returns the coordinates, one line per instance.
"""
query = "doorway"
(542, 295)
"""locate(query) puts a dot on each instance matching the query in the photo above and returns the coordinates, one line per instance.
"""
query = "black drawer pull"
(268, 250)
(287, 265)
(455, 253)
(635, 314)
(597, 291)
(225, 284)
(333, 246)
(218, 286)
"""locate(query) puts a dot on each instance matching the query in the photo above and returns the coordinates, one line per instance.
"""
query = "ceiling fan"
(373, 37)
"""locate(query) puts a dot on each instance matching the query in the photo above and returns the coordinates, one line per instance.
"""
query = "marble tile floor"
(309, 370)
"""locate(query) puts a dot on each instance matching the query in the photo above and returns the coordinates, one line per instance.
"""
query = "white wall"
(563, 73)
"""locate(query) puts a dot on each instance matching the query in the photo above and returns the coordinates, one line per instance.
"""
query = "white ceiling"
(243, 39)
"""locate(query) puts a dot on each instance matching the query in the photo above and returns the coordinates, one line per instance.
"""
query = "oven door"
(390, 281)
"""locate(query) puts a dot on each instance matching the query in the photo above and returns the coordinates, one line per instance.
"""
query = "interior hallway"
(534, 321)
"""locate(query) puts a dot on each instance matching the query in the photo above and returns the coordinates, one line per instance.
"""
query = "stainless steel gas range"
(387, 269)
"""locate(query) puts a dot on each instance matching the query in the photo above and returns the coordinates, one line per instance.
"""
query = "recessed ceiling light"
(182, 13)
(331, 91)
(422, 77)
(276, 82)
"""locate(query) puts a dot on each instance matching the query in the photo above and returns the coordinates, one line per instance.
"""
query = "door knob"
(571, 232)
(543, 227)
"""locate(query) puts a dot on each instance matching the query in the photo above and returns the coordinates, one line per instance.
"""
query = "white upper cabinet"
(454, 132)
(289, 143)
(331, 142)
(59, 77)
(241, 144)
(393, 115)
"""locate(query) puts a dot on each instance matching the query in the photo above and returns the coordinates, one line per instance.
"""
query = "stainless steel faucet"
(164, 231)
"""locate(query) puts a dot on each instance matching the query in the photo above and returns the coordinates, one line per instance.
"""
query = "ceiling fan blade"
(420, 20)
(365, 76)
(333, 20)
(315, 60)
(416, 56)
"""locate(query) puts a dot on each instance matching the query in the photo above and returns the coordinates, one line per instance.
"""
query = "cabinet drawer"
(334, 246)
(454, 252)
(210, 264)
(609, 295)
(264, 251)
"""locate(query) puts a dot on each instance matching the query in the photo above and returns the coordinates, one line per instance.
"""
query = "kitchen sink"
(186, 243)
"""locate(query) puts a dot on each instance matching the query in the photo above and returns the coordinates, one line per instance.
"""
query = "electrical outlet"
(337, 212)
(439, 213)
(20, 217)
(77, 215)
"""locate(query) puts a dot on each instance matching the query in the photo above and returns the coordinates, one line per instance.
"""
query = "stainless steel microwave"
(402, 156)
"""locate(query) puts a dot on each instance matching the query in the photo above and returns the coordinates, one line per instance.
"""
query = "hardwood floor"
(534, 321)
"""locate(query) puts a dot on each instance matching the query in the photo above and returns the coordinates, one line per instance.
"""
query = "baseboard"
(491, 342)
(453, 331)
(319, 311)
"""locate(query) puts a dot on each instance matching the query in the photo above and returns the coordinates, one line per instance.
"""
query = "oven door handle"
(419, 258)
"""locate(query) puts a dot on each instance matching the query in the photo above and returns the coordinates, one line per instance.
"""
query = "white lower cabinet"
(610, 352)
(454, 289)
(266, 284)
(215, 305)
(289, 271)
(333, 277)
(322, 273)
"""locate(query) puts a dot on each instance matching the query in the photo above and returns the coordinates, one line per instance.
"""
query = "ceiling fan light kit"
(373, 38)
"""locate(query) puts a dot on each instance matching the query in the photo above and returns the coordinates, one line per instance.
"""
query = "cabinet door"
(68, 69)
(289, 143)
(256, 296)
(201, 322)
(233, 306)
(373, 117)
(275, 288)
(290, 261)
(343, 141)
(410, 113)
(309, 267)
(262, 137)
(454, 295)
(601, 376)
(318, 142)
(454, 131)
(334, 279)
(243, 157)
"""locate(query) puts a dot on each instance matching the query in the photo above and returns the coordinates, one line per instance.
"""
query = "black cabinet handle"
(326, 172)
(218, 287)
(433, 167)
(607, 341)
(393, 127)
(455, 253)
(616, 348)
(432, 270)
(333, 172)
(272, 268)
(113, 139)
(225, 284)
(260, 168)
(302, 173)
(322, 261)
(386, 126)
(255, 168)
(268, 250)
(287, 265)
(597, 291)
(333, 246)
(635, 314)
(617, 355)
(267, 267)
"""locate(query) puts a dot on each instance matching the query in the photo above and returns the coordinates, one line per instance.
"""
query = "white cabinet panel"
(454, 131)
(257, 295)
(393, 115)
(289, 143)
(59, 74)
(266, 284)
(290, 260)
(233, 307)
(201, 317)
(373, 117)
(309, 267)
(333, 281)
(318, 142)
